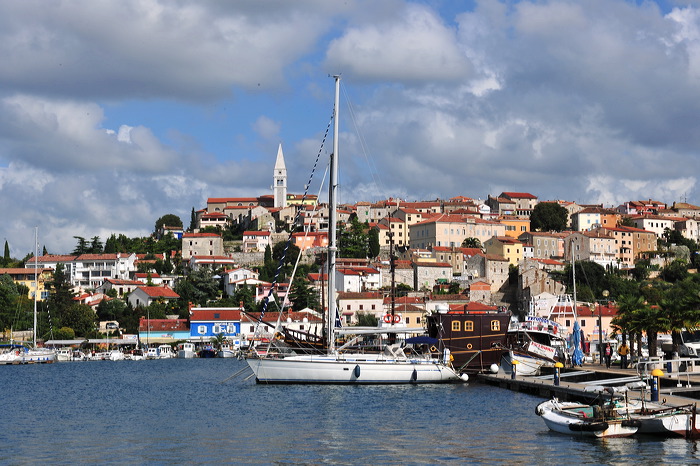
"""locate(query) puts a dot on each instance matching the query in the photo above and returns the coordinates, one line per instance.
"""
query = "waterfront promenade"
(575, 384)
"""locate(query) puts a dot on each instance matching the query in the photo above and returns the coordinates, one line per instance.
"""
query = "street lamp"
(606, 293)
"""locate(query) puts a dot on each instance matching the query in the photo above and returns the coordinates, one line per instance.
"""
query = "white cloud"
(414, 46)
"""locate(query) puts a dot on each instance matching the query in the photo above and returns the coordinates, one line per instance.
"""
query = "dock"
(576, 383)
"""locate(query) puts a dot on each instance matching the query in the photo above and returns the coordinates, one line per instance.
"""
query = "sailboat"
(393, 365)
(36, 354)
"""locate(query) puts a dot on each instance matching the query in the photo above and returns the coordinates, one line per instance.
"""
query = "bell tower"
(279, 188)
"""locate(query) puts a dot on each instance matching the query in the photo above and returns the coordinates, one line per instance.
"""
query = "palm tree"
(218, 341)
(626, 322)
(680, 310)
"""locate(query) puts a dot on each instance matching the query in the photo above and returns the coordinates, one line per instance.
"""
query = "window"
(408, 320)
(495, 325)
(362, 307)
(468, 326)
(348, 307)
(583, 322)
(568, 323)
(455, 326)
(374, 306)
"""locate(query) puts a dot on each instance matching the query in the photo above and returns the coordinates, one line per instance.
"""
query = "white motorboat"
(11, 354)
(165, 352)
(585, 420)
(64, 354)
(152, 353)
(186, 351)
(116, 355)
(391, 365)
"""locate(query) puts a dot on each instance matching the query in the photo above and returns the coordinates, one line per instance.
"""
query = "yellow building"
(515, 226)
(25, 276)
(510, 248)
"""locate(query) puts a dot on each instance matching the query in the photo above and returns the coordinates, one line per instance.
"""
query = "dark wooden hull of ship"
(475, 339)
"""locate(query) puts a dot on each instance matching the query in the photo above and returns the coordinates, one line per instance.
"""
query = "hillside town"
(461, 252)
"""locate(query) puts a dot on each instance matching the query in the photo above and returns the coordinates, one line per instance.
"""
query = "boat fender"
(414, 375)
(357, 371)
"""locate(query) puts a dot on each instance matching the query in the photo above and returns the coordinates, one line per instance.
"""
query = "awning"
(422, 340)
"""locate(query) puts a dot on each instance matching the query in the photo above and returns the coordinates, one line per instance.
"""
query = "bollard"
(557, 369)
(655, 375)
(515, 369)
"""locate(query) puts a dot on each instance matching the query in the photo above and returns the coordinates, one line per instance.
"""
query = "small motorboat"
(585, 420)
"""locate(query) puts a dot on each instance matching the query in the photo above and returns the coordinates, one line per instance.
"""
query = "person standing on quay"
(623, 351)
(607, 352)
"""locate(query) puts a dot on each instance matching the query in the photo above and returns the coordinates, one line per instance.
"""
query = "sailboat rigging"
(395, 364)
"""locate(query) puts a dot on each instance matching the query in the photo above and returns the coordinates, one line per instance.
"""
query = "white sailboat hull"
(349, 369)
(527, 364)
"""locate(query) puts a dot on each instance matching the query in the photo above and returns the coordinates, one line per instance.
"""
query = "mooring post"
(557, 368)
(656, 374)
(515, 369)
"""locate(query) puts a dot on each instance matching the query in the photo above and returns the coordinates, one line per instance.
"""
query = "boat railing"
(678, 368)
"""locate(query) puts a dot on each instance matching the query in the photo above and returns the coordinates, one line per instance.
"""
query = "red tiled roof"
(159, 292)
(519, 195)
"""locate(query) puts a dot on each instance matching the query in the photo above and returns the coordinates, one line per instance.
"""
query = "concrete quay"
(675, 389)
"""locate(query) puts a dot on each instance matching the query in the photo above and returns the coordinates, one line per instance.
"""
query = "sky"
(115, 113)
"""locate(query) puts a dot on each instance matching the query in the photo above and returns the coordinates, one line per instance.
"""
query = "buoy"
(494, 368)
(465, 377)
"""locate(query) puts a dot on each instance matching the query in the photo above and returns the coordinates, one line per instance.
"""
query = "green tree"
(193, 220)
(365, 319)
(374, 242)
(9, 296)
(471, 243)
(198, 287)
(61, 294)
(168, 220)
(81, 247)
(79, 317)
(6, 256)
(96, 245)
(627, 222)
(548, 216)
(353, 241)
(674, 272)
(302, 295)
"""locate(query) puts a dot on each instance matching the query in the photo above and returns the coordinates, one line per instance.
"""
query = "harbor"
(180, 411)
(675, 388)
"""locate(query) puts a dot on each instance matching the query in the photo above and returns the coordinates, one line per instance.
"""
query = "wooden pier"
(575, 384)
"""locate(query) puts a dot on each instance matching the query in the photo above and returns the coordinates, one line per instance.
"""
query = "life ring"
(387, 319)
(397, 319)
(16, 352)
(433, 349)
(469, 346)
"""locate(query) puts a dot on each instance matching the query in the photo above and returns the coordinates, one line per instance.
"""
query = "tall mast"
(332, 211)
(36, 278)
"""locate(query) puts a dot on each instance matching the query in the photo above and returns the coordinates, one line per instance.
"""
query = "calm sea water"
(179, 411)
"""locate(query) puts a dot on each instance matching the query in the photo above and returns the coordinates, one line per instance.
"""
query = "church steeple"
(279, 188)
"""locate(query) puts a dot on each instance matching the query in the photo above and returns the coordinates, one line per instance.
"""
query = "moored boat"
(186, 351)
(585, 420)
(348, 365)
